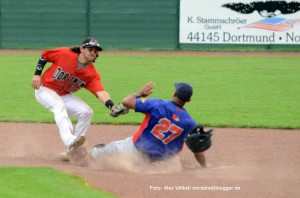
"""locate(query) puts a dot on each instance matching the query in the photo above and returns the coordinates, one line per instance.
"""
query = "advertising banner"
(239, 22)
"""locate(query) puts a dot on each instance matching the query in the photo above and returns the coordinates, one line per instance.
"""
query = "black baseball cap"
(184, 91)
(91, 42)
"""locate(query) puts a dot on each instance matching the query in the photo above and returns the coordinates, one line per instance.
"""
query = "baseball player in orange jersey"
(71, 69)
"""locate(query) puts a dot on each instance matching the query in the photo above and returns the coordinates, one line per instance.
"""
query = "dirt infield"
(242, 163)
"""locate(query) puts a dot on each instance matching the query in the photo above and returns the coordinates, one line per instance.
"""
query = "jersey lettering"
(73, 89)
(61, 75)
(164, 125)
(77, 81)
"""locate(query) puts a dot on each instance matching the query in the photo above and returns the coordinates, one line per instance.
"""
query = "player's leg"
(53, 102)
(78, 108)
(115, 147)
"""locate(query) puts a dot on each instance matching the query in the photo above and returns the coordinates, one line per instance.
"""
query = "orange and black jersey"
(64, 76)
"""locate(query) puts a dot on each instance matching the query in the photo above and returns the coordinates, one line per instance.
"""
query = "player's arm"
(199, 141)
(200, 157)
(129, 101)
(36, 80)
(116, 110)
(104, 97)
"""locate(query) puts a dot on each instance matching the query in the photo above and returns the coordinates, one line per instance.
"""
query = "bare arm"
(200, 157)
(146, 90)
(103, 96)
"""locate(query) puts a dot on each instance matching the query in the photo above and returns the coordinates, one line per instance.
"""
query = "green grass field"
(44, 182)
(259, 92)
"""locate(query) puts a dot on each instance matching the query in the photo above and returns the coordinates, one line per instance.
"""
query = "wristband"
(40, 66)
(109, 104)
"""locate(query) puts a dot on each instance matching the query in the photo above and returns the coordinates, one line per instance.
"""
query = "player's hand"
(36, 82)
(147, 89)
(117, 110)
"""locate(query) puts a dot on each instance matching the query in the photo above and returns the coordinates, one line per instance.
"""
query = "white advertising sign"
(239, 22)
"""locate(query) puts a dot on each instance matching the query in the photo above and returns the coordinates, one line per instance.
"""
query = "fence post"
(0, 26)
(87, 18)
(178, 26)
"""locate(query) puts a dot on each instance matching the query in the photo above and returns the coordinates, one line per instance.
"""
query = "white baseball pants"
(125, 146)
(62, 107)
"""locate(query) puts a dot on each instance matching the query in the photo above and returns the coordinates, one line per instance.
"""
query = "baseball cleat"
(98, 146)
(90, 157)
(77, 143)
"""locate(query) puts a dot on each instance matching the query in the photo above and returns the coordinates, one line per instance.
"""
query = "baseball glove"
(117, 110)
(198, 140)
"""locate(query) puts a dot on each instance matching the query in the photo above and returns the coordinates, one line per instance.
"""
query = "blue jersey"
(162, 132)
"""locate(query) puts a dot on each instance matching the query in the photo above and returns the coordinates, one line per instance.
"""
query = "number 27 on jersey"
(160, 130)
